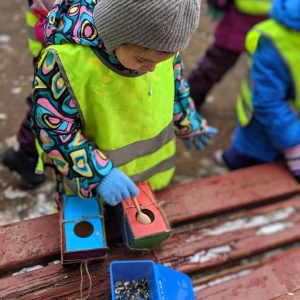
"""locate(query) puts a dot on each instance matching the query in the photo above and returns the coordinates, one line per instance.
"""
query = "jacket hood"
(72, 22)
(286, 12)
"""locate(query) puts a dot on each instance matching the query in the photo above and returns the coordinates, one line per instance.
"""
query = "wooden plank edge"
(221, 193)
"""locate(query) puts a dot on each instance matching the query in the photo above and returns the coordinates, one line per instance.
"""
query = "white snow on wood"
(25, 270)
(222, 279)
(274, 228)
(191, 239)
(210, 254)
(244, 223)
(204, 256)
(29, 269)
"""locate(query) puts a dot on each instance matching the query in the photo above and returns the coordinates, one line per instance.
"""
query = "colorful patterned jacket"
(72, 22)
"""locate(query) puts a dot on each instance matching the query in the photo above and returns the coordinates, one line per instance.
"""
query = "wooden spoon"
(141, 217)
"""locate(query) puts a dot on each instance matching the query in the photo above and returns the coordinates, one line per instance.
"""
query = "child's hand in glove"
(202, 139)
(292, 158)
(115, 187)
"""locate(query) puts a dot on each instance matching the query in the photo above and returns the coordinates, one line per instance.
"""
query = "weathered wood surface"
(218, 194)
(33, 239)
(274, 278)
(201, 245)
(29, 241)
(291, 295)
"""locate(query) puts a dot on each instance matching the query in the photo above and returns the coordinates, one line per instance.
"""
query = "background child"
(238, 17)
(98, 112)
(23, 157)
(268, 127)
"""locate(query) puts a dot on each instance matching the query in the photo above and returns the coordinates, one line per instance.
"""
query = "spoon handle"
(137, 206)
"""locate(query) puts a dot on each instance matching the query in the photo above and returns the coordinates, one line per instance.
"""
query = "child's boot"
(18, 161)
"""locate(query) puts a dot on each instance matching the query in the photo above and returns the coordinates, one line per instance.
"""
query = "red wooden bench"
(236, 235)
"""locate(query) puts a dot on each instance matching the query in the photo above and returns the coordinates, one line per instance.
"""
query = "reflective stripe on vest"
(131, 127)
(35, 46)
(244, 104)
(254, 7)
(287, 42)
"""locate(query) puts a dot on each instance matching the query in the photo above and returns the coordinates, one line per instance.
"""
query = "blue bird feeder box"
(82, 229)
(163, 283)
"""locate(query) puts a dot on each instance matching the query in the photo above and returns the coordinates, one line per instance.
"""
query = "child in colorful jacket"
(238, 17)
(268, 123)
(23, 157)
(108, 91)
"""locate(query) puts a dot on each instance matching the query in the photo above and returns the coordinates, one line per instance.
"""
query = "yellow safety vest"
(287, 42)
(253, 7)
(131, 126)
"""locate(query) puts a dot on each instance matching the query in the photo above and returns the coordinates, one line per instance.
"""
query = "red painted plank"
(30, 240)
(33, 239)
(242, 235)
(291, 295)
(276, 276)
(201, 244)
(54, 282)
(200, 248)
(216, 194)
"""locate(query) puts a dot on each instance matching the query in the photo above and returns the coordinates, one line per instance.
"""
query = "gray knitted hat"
(163, 25)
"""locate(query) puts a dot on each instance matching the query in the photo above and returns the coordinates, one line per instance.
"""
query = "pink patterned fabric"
(41, 8)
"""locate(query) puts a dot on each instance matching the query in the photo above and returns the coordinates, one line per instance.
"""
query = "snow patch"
(25, 270)
(210, 254)
(4, 38)
(274, 228)
(222, 279)
(10, 193)
(16, 90)
(244, 223)
(3, 116)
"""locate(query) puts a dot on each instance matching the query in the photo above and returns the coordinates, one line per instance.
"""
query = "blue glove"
(202, 139)
(115, 187)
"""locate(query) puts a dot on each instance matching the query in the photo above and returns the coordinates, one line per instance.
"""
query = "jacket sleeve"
(187, 121)
(57, 127)
(272, 88)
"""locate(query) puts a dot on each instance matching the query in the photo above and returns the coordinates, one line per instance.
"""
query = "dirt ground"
(17, 203)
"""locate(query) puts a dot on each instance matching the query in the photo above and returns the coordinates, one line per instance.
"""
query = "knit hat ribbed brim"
(163, 25)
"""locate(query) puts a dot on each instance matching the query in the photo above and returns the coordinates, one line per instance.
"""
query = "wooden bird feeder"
(82, 230)
(137, 236)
